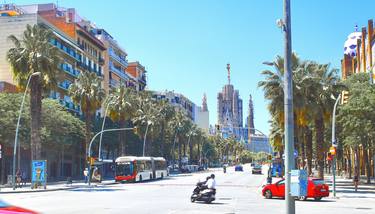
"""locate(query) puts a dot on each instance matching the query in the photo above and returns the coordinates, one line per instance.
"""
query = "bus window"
(124, 169)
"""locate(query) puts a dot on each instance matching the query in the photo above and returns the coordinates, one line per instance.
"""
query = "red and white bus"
(133, 169)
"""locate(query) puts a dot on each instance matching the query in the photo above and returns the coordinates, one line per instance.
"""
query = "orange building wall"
(59, 22)
(132, 70)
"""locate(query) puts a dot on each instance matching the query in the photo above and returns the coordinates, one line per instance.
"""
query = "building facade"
(229, 110)
(202, 118)
(177, 100)
(83, 48)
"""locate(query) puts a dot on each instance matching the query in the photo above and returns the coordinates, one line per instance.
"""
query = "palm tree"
(87, 92)
(326, 84)
(30, 54)
(121, 108)
(166, 114)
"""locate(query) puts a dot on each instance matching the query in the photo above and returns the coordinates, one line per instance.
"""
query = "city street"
(237, 192)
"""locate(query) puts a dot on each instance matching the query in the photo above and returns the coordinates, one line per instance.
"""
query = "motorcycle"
(200, 193)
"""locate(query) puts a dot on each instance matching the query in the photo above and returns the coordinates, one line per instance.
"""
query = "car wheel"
(302, 198)
(318, 198)
(162, 176)
(140, 178)
(268, 194)
(192, 199)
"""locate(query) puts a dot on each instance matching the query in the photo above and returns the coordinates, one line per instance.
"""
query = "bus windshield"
(124, 169)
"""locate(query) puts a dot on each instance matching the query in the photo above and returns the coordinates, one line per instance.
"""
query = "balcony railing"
(70, 70)
(64, 85)
(118, 71)
(122, 61)
(114, 83)
(66, 50)
(88, 68)
(70, 105)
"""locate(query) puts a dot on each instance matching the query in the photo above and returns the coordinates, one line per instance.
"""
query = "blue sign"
(38, 173)
(298, 183)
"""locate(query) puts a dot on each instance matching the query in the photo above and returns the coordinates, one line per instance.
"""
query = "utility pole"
(288, 109)
(334, 144)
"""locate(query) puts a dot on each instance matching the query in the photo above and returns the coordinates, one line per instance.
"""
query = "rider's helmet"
(212, 176)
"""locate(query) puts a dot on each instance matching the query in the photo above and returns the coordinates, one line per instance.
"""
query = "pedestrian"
(85, 173)
(23, 178)
(356, 179)
(18, 178)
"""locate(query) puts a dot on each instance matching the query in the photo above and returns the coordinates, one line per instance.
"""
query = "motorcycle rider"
(211, 183)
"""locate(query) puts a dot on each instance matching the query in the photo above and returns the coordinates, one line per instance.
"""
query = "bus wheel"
(140, 178)
(151, 177)
(162, 176)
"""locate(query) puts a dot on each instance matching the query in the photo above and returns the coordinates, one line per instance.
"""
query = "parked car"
(257, 169)
(238, 168)
(316, 188)
(7, 208)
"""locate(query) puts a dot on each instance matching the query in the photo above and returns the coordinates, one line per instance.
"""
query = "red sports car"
(316, 188)
(9, 209)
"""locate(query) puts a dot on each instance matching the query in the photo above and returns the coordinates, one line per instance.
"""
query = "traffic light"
(344, 97)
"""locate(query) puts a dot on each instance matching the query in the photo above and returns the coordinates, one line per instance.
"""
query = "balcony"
(120, 60)
(64, 85)
(114, 83)
(69, 70)
(88, 68)
(68, 51)
(118, 71)
(70, 106)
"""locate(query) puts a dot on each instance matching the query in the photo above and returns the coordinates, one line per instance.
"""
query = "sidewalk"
(55, 186)
(345, 188)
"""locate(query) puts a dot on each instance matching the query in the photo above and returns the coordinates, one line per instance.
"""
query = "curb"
(51, 190)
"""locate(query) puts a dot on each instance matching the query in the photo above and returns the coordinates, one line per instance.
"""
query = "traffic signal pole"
(288, 109)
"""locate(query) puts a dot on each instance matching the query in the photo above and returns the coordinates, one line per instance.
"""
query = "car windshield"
(318, 181)
(124, 169)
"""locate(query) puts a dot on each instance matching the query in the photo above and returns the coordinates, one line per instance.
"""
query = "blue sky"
(186, 44)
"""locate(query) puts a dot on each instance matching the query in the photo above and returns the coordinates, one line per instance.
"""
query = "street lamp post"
(144, 139)
(92, 140)
(288, 108)
(17, 128)
(334, 143)
(101, 134)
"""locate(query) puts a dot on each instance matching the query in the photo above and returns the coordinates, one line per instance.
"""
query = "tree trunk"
(190, 151)
(3, 159)
(122, 138)
(85, 146)
(35, 112)
(179, 153)
(302, 148)
(309, 150)
(184, 144)
(162, 140)
(367, 163)
(319, 126)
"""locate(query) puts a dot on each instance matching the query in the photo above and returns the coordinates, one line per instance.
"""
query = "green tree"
(33, 53)
(357, 119)
(87, 92)
(121, 108)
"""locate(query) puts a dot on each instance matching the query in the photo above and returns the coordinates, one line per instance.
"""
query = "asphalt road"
(237, 192)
